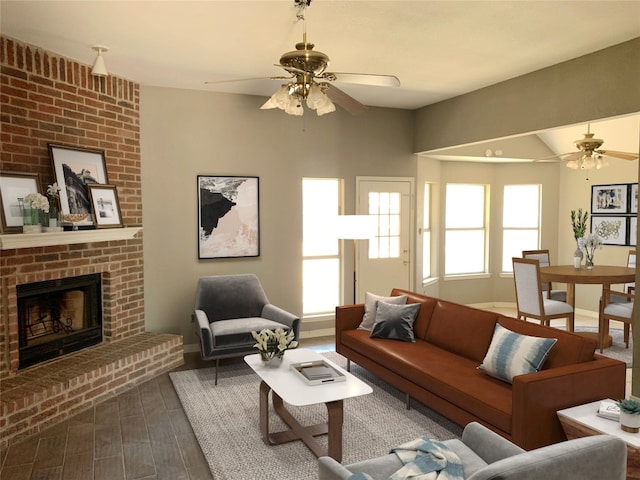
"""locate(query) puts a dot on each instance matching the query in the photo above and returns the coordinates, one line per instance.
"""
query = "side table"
(582, 421)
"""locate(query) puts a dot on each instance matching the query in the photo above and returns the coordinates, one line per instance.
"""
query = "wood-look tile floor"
(142, 433)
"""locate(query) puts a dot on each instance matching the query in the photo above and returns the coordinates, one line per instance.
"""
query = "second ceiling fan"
(590, 155)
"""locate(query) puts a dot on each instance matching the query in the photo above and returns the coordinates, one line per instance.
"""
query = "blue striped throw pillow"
(512, 354)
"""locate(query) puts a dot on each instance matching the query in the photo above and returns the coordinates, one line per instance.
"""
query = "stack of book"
(609, 409)
(317, 373)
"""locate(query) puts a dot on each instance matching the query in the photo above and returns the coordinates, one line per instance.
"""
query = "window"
(520, 222)
(320, 248)
(465, 231)
(426, 233)
(385, 207)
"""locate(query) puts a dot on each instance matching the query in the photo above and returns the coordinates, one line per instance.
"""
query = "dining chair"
(531, 302)
(620, 311)
(628, 287)
(543, 257)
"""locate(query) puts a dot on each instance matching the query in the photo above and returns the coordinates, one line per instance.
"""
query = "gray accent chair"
(485, 455)
(227, 309)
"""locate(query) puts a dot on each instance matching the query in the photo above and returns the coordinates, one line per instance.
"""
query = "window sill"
(467, 276)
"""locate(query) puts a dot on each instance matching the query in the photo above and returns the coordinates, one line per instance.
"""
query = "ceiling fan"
(589, 154)
(310, 82)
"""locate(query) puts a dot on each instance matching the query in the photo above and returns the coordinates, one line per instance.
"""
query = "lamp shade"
(355, 227)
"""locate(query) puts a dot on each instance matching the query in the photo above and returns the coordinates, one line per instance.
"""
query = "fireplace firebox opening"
(56, 317)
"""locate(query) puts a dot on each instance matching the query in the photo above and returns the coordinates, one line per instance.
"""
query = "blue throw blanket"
(424, 459)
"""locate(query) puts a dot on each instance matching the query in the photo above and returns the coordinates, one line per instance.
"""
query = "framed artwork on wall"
(633, 231)
(13, 188)
(228, 217)
(105, 205)
(611, 229)
(609, 198)
(633, 198)
(75, 168)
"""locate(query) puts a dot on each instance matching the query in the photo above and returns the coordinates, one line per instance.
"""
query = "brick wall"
(46, 98)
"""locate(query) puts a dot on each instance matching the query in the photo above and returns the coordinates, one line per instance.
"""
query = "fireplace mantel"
(30, 240)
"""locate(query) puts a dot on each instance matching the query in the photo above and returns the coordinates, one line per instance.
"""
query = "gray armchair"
(485, 455)
(227, 309)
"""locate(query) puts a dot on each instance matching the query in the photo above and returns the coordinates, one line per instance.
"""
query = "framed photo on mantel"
(14, 187)
(74, 169)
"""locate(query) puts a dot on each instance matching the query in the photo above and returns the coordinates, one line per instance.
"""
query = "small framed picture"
(633, 231)
(633, 198)
(13, 188)
(105, 205)
(75, 168)
(609, 198)
(611, 229)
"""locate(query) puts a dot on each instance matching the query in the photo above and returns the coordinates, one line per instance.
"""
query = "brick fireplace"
(46, 98)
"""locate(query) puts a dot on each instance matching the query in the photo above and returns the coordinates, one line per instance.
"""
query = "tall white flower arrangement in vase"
(590, 243)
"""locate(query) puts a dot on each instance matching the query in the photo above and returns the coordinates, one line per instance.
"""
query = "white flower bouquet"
(273, 343)
(37, 201)
(589, 243)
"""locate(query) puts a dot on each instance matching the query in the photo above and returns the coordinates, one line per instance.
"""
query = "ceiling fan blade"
(247, 80)
(347, 102)
(364, 78)
(564, 156)
(622, 155)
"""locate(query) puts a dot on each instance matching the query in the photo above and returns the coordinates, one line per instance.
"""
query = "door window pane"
(385, 206)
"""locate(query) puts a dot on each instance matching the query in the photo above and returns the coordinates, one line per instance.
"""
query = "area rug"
(225, 420)
(617, 350)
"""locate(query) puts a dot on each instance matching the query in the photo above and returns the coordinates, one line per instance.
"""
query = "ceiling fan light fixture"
(572, 164)
(280, 99)
(318, 100)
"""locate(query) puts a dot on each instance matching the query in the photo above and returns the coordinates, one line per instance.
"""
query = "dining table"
(605, 275)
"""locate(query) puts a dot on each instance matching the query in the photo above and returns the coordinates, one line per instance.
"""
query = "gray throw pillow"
(395, 321)
(370, 300)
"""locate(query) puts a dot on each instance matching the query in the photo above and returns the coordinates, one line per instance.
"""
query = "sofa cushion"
(370, 306)
(395, 321)
(512, 354)
(570, 348)
(460, 329)
(447, 375)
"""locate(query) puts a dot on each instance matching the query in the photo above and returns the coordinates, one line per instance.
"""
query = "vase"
(54, 218)
(31, 220)
(577, 257)
(272, 359)
(589, 262)
(630, 422)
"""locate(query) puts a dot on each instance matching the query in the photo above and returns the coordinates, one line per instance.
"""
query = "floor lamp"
(355, 227)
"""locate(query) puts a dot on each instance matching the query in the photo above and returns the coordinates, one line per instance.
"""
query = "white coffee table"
(286, 386)
(582, 421)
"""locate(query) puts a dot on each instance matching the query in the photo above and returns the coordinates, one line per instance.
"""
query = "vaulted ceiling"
(438, 49)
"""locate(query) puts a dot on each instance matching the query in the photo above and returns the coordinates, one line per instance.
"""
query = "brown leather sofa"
(440, 369)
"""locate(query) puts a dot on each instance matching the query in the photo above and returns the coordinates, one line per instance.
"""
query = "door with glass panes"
(385, 262)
